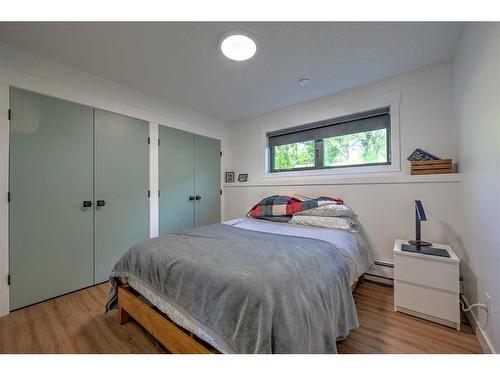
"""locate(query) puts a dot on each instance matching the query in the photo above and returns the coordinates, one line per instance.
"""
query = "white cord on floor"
(479, 305)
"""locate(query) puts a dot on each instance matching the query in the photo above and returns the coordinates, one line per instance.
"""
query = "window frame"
(319, 143)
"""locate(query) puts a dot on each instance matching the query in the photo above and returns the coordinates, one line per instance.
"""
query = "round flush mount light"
(238, 45)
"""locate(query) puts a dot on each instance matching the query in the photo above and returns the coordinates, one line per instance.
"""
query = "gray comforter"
(245, 291)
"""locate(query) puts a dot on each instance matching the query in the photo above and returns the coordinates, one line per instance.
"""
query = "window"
(357, 140)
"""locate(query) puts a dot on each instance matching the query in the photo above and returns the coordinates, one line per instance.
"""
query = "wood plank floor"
(382, 330)
(76, 323)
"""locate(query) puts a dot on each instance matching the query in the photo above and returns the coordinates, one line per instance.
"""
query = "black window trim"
(318, 143)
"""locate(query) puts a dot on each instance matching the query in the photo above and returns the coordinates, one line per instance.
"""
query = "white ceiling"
(180, 62)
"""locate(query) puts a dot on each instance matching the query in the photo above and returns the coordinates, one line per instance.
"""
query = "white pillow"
(333, 210)
(343, 223)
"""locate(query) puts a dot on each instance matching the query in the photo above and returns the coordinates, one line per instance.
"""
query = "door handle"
(198, 198)
(191, 198)
(100, 203)
(87, 204)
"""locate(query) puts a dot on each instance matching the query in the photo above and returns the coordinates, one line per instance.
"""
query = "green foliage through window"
(295, 155)
(364, 148)
(353, 149)
(358, 139)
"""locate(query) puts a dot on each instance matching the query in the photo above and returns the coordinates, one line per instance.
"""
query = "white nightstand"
(427, 286)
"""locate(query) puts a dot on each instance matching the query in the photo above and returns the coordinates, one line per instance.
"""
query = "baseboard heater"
(381, 271)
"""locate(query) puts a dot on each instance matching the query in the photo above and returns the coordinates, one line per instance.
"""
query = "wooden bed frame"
(174, 338)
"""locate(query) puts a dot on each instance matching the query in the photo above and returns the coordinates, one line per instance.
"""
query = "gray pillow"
(343, 223)
(328, 210)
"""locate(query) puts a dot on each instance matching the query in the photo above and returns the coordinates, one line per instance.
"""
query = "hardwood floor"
(73, 323)
(76, 323)
(382, 330)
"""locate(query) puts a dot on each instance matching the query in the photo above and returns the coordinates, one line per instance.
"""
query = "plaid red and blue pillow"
(282, 205)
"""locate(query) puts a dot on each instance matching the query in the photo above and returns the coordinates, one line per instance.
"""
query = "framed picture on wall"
(229, 177)
(243, 177)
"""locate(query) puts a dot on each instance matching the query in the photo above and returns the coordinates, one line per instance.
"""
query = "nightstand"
(427, 286)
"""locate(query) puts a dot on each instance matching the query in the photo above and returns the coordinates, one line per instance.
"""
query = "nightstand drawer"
(427, 301)
(434, 274)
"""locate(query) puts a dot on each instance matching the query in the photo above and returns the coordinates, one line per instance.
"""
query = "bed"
(243, 286)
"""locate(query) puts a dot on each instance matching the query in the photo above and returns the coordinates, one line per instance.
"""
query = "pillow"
(331, 210)
(343, 223)
(281, 205)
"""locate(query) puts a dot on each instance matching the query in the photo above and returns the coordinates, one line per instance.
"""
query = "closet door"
(50, 170)
(176, 180)
(207, 180)
(121, 187)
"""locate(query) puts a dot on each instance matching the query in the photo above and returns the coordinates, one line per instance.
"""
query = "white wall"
(385, 209)
(477, 103)
(425, 117)
(383, 202)
(33, 72)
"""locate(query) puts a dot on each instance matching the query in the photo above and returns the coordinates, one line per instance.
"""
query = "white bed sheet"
(351, 245)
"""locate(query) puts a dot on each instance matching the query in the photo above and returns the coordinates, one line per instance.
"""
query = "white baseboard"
(379, 279)
(481, 335)
(381, 271)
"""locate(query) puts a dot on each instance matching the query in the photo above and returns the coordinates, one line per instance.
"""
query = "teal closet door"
(51, 250)
(176, 180)
(121, 187)
(207, 180)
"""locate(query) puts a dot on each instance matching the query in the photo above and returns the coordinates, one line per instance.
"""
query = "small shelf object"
(427, 286)
(431, 166)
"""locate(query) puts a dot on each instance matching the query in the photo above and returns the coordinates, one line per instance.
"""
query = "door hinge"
(221, 154)
(149, 140)
(158, 193)
(149, 193)
(8, 197)
(8, 114)
(8, 279)
(220, 191)
(158, 141)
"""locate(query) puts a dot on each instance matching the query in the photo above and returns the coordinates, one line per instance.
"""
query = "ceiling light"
(238, 46)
